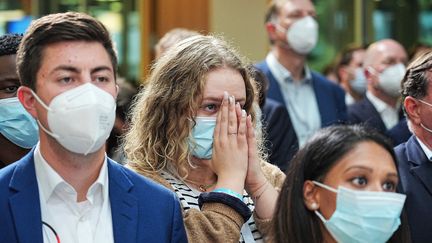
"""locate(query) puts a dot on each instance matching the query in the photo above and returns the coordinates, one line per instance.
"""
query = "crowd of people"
(212, 148)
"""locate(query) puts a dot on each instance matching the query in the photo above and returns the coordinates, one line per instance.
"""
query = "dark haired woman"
(341, 187)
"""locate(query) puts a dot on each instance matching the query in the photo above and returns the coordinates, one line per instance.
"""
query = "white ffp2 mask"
(302, 35)
(390, 79)
(81, 118)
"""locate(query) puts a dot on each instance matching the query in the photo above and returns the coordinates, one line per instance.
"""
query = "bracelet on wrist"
(229, 192)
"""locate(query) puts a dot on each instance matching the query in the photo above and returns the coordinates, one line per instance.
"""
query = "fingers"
(223, 115)
(242, 129)
(251, 136)
(232, 116)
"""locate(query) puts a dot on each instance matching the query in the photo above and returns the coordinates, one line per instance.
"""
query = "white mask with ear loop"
(302, 35)
(390, 79)
(81, 118)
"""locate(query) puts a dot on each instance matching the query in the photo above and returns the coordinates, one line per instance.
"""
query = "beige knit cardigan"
(217, 222)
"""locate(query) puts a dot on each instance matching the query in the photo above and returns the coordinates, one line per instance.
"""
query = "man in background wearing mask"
(66, 189)
(18, 129)
(312, 100)
(415, 156)
(384, 67)
(349, 70)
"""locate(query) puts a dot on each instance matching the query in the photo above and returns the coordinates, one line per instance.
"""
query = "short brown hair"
(53, 28)
(416, 80)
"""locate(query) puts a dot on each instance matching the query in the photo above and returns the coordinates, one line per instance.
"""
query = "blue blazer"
(330, 97)
(142, 211)
(415, 171)
(363, 112)
(281, 140)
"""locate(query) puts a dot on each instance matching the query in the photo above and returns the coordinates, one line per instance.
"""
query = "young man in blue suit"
(415, 156)
(312, 100)
(66, 189)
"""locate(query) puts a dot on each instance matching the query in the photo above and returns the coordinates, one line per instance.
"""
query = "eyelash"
(353, 180)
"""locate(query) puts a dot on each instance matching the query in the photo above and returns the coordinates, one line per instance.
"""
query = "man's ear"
(311, 196)
(271, 30)
(27, 100)
(412, 108)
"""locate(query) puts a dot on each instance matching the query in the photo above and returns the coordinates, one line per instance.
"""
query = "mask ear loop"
(46, 108)
(327, 188)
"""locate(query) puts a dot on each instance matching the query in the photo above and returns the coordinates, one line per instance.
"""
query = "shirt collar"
(379, 105)
(49, 180)
(425, 149)
(281, 73)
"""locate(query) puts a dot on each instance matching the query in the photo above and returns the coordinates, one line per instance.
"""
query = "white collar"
(425, 149)
(49, 179)
(379, 105)
(281, 73)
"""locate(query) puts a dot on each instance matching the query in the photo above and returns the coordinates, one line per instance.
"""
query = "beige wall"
(242, 23)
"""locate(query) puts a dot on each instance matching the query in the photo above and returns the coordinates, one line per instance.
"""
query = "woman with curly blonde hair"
(193, 131)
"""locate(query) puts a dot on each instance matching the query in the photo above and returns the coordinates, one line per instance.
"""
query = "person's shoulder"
(261, 65)
(6, 173)
(142, 184)
(272, 105)
(319, 78)
(361, 103)
(401, 148)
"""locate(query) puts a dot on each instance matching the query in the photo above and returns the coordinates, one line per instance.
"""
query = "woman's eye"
(389, 186)
(359, 181)
(210, 107)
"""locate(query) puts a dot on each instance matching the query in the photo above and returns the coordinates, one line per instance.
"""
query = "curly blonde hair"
(162, 112)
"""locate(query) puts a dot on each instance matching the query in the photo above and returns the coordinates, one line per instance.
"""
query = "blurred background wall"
(136, 25)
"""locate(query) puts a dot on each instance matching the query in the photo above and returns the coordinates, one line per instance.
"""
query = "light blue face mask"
(16, 124)
(201, 141)
(363, 216)
(359, 84)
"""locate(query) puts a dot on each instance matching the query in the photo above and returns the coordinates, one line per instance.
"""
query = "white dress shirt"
(74, 222)
(425, 149)
(388, 114)
(299, 97)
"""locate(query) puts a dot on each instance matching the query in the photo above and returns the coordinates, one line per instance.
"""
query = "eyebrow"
(219, 99)
(359, 167)
(77, 70)
(390, 174)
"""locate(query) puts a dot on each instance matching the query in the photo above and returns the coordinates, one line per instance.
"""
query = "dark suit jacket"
(330, 97)
(142, 211)
(415, 171)
(363, 112)
(281, 140)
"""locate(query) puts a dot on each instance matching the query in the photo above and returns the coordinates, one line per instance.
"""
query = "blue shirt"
(300, 99)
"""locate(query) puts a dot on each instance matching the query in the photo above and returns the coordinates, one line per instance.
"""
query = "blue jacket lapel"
(274, 91)
(421, 167)
(322, 99)
(374, 117)
(25, 204)
(124, 207)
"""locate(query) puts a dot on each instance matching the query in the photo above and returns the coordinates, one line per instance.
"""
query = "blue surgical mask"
(16, 124)
(363, 216)
(201, 141)
(358, 84)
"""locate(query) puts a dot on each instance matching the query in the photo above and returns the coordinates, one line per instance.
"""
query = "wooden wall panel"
(191, 14)
(160, 16)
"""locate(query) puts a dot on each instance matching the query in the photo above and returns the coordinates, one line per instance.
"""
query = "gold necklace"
(201, 187)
